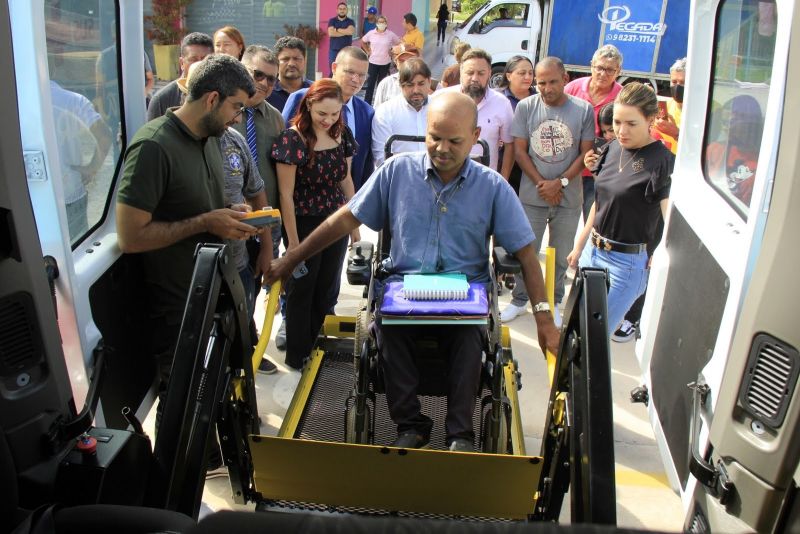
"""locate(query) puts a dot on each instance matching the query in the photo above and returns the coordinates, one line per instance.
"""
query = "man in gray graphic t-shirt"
(552, 131)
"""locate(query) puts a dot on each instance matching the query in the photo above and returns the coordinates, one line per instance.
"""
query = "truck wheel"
(497, 76)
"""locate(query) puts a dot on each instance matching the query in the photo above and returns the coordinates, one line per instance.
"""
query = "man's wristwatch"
(564, 182)
(541, 307)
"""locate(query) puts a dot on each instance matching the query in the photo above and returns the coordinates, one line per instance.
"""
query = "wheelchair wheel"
(502, 445)
(358, 415)
(352, 433)
(361, 332)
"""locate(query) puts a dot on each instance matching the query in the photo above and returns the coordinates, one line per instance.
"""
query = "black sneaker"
(410, 439)
(266, 367)
(626, 332)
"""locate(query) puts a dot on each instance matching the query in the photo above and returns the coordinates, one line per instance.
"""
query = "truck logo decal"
(616, 17)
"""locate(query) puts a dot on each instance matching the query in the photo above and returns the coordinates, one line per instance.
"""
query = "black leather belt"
(615, 246)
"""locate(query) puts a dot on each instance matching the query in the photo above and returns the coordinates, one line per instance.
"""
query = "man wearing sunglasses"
(260, 117)
(261, 124)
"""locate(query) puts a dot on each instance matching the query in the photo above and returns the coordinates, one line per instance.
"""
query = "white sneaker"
(511, 312)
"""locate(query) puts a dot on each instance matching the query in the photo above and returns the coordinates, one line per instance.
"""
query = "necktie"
(346, 112)
(251, 134)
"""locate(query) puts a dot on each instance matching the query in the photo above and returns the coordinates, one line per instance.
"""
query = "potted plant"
(166, 29)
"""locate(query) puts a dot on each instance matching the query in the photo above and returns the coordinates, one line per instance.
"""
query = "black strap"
(40, 521)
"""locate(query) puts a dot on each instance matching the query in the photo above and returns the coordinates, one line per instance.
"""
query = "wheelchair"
(493, 408)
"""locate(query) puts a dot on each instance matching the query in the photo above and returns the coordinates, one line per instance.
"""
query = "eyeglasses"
(261, 76)
(604, 70)
(239, 112)
(354, 75)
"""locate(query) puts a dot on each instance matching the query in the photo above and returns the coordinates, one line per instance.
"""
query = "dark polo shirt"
(269, 125)
(174, 175)
(280, 95)
(169, 96)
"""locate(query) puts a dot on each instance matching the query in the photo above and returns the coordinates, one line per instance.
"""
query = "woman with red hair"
(313, 160)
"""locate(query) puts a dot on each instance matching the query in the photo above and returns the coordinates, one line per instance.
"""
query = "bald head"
(452, 131)
(454, 105)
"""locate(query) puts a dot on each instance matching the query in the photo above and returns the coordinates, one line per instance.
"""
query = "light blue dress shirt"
(437, 227)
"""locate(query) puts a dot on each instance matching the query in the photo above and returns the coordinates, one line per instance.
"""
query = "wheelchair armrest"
(359, 263)
(505, 262)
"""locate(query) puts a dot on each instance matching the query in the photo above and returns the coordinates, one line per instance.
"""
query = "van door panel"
(684, 343)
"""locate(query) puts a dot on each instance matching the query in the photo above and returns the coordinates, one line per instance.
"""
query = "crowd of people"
(243, 128)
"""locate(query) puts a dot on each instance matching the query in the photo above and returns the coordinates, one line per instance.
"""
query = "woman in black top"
(313, 160)
(633, 179)
(442, 16)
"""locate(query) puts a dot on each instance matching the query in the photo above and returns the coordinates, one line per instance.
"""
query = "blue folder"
(396, 309)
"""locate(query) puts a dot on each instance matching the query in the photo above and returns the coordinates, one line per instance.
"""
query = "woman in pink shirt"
(377, 43)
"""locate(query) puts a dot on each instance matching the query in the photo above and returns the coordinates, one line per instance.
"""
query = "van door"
(722, 216)
(80, 79)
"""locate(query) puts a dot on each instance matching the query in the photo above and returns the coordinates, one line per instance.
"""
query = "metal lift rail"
(577, 452)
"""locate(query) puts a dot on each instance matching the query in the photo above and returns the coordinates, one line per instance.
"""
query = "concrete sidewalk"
(433, 55)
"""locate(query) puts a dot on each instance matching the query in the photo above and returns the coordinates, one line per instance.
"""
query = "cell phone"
(300, 271)
(662, 109)
(599, 142)
(265, 217)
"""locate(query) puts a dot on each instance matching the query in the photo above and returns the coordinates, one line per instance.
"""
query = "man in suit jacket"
(350, 72)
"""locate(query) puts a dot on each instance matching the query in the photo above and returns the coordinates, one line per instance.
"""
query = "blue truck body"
(651, 34)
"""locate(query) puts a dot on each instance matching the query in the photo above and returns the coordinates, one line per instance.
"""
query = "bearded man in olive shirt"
(172, 194)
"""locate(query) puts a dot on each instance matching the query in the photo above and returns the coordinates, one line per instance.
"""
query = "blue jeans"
(627, 274)
(563, 223)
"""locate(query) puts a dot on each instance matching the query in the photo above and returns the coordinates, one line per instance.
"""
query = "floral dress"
(316, 195)
(316, 186)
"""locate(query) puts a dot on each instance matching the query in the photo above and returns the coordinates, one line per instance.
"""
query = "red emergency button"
(87, 444)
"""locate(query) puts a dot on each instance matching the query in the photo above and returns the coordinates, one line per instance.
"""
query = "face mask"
(381, 26)
(677, 93)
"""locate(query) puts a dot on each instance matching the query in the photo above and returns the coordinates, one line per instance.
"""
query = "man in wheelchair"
(441, 208)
